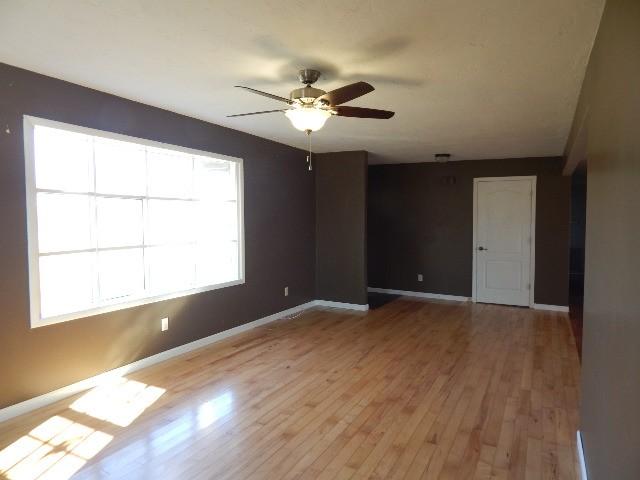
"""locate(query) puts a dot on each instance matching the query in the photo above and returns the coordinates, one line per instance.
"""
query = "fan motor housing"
(306, 94)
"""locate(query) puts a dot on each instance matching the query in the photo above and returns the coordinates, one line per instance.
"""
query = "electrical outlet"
(164, 324)
(286, 291)
(419, 277)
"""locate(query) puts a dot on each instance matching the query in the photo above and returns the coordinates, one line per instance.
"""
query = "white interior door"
(503, 240)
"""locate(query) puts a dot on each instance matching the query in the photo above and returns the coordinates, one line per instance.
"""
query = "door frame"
(532, 268)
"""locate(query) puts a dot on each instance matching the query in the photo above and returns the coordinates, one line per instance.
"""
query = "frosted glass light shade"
(308, 118)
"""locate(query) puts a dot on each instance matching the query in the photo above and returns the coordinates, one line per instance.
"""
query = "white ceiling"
(476, 78)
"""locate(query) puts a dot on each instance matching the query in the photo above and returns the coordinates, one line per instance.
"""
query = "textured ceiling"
(478, 79)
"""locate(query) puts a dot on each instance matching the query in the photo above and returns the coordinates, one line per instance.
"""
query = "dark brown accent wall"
(610, 397)
(341, 212)
(420, 220)
(279, 236)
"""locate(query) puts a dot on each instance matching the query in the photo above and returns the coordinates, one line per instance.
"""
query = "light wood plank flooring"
(411, 390)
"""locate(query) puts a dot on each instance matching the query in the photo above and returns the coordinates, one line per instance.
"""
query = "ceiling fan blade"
(254, 113)
(265, 94)
(358, 112)
(346, 93)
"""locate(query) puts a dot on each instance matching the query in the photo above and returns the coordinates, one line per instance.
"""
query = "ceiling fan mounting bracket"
(308, 76)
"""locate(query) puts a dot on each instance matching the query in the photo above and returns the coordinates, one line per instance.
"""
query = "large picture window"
(115, 221)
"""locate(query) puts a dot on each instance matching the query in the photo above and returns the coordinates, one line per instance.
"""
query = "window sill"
(113, 307)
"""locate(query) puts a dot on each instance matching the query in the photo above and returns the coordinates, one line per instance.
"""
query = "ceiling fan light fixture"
(308, 118)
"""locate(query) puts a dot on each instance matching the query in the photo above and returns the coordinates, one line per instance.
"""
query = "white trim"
(496, 179)
(474, 255)
(348, 306)
(532, 266)
(106, 307)
(406, 293)
(64, 392)
(32, 221)
(551, 308)
(127, 138)
(580, 451)
(29, 124)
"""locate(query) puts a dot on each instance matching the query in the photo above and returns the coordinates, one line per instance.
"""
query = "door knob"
(481, 248)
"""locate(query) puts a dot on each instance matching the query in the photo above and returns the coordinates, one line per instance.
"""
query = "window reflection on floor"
(216, 408)
(59, 447)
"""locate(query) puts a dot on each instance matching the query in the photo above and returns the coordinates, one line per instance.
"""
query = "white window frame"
(29, 124)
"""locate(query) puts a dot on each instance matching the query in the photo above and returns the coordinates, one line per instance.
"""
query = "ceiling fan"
(309, 107)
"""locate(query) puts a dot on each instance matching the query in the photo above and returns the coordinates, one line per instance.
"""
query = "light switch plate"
(164, 324)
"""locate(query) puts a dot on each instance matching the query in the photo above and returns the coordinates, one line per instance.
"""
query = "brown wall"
(279, 234)
(421, 222)
(610, 398)
(341, 212)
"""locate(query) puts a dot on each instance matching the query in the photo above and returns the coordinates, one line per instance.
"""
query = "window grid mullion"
(116, 195)
(239, 219)
(145, 224)
(94, 223)
(94, 199)
(194, 273)
(122, 247)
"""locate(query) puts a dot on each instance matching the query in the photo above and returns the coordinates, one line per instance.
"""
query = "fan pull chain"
(308, 132)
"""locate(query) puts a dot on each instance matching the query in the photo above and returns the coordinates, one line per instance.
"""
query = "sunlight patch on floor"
(59, 447)
(55, 449)
(119, 401)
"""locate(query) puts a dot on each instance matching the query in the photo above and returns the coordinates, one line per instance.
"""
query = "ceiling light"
(308, 118)
(309, 107)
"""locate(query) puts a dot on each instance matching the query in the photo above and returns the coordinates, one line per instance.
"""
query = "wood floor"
(410, 390)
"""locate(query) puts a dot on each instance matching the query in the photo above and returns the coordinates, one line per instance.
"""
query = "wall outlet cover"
(286, 291)
(419, 277)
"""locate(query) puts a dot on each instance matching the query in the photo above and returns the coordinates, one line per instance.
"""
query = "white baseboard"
(551, 308)
(51, 397)
(581, 462)
(456, 298)
(406, 293)
(349, 306)
(64, 392)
